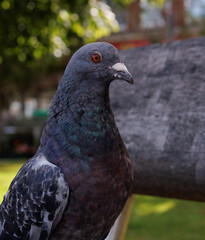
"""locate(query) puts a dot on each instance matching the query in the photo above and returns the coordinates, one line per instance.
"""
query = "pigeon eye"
(96, 57)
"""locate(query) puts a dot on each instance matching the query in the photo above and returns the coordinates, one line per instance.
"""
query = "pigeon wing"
(35, 201)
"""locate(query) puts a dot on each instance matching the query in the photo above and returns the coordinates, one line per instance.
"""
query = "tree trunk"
(162, 118)
(178, 12)
(134, 11)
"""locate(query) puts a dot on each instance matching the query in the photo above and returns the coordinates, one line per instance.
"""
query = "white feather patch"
(40, 161)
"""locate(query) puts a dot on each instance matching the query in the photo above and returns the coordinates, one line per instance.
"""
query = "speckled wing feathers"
(35, 202)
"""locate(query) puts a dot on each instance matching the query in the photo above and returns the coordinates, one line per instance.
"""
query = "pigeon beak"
(121, 72)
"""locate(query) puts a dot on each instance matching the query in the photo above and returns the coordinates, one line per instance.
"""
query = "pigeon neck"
(90, 96)
(85, 127)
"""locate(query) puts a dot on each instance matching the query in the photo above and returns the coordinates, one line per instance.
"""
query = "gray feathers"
(35, 201)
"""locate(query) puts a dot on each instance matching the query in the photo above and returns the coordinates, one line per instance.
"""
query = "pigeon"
(80, 178)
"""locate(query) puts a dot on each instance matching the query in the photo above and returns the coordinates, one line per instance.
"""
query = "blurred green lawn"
(152, 218)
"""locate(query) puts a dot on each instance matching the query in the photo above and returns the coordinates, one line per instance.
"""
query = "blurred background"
(37, 39)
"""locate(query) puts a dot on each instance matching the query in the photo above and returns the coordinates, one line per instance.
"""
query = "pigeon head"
(81, 107)
(87, 77)
(97, 62)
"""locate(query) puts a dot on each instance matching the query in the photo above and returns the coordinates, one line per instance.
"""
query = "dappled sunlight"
(98, 25)
(155, 218)
(145, 209)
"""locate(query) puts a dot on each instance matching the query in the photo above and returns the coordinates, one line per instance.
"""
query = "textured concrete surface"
(162, 118)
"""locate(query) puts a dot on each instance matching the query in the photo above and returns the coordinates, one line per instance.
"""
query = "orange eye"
(96, 57)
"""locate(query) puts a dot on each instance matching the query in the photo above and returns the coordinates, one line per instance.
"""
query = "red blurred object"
(122, 45)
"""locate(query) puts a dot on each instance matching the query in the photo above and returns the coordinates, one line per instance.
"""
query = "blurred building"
(142, 23)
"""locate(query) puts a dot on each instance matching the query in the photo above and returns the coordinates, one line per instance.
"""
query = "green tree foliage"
(31, 30)
(158, 3)
(123, 3)
(36, 32)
